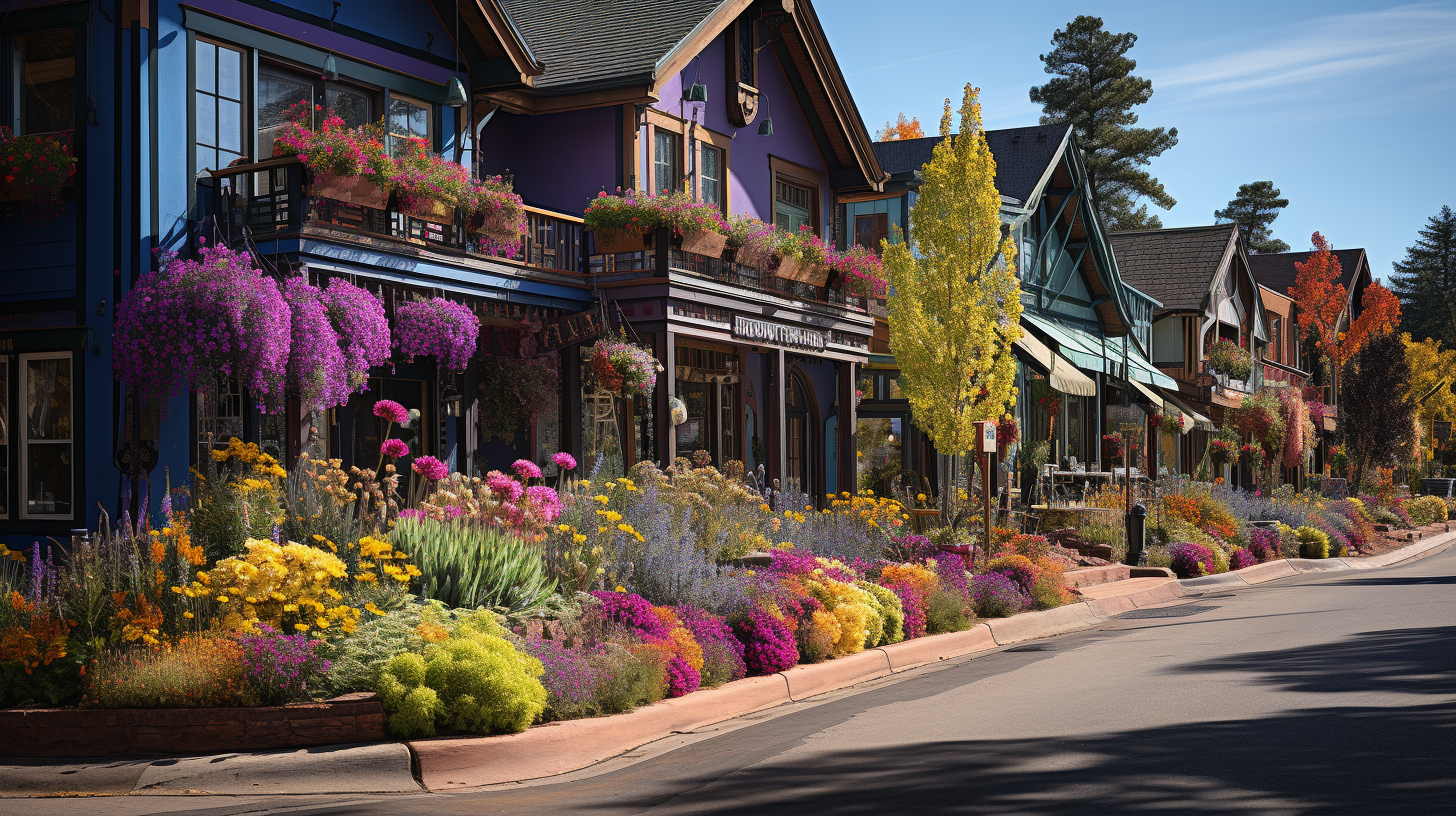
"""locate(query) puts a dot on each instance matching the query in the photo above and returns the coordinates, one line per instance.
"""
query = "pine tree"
(1254, 210)
(955, 305)
(1094, 89)
(1425, 281)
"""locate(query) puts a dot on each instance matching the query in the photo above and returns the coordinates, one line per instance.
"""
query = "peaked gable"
(1174, 266)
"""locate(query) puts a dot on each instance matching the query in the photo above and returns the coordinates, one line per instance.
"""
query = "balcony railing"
(273, 196)
(731, 273)
(1222, 384)
(1275, 373)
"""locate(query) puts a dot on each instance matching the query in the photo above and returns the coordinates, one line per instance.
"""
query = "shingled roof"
(1174, 266)
(1022, 155)
(1277, 271)
(586, 44)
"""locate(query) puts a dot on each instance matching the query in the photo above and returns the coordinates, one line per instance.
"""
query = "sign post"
(986, 448)
(1129, 420)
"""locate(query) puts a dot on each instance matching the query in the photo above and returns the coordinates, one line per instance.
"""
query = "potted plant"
(803, 257)
(699, 225)
(1226, 357)
(860, 270)
(34, 168)
(1222, 452)
(497, 215)
(427, 186)
(618, 222)
(750, 240)
(442, 328)
(347, 164)
(622, 368)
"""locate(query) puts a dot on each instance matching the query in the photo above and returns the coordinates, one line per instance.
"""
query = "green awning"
(1095, 353)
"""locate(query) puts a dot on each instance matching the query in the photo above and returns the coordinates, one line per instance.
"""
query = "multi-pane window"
(710, 175)
(1278, 332)
(218, 106)
(408, 119)
(44, 66)
(666, 161)
(792, 206)
(349, 104)
(46, 465)
(282, 95)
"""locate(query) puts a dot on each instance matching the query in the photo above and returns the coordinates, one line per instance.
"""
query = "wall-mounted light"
(455, 93)
(765, 128)
(698, 92)
(331, 68)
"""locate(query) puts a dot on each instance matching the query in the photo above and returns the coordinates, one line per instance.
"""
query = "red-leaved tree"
(902, 129)
(1322, 300)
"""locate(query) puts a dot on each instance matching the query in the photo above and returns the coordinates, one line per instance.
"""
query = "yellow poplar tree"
(955, 302)
(1433, 370)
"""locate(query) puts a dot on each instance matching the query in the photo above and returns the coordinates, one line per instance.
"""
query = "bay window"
(47, 454)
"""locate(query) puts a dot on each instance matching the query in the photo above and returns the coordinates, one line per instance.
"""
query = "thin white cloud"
(1329, 47)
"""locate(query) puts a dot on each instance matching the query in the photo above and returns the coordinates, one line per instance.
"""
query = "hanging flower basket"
(436, 327)
(1169, 422)
(497, 216)
(623, 369)
(358, 190)
(704, 242)
(428, 209)
(1225, 357)
(1222, 452)
(34, 168)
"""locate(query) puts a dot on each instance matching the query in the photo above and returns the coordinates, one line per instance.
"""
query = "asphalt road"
(1318, 694)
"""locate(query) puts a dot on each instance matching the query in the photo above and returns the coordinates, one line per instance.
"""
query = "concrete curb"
(1285, 567)
(1038, 625)
(818, 678)
(908, 654)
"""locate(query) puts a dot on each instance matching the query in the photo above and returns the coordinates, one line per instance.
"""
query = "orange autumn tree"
(902, 129)
(1322, 300)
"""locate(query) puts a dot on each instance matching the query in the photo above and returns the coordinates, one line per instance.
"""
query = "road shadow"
(1416, 661)
(1388, 580)
(1310, 763)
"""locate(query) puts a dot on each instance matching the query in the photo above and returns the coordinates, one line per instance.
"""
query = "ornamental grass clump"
(472, 681)
(467, 563)
(996, 595)
(191, 321)
(437, 327)
(199, 671)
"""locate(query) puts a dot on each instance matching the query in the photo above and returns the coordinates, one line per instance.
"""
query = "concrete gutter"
(456, 763)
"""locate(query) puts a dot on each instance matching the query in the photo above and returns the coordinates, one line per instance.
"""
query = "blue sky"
(1347, 107)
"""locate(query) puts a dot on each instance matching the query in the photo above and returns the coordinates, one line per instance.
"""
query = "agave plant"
(465, 563)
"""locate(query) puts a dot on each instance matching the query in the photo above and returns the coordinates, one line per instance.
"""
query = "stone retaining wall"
(58, 732)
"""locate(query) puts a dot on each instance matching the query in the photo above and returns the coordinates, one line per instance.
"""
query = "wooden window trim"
(723, 143)
(658, 120)
(802, 176)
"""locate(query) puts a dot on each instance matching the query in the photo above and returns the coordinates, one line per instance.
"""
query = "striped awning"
(1062, 375)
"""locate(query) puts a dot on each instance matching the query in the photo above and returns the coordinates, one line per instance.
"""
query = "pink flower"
(564, 460)
(503, 485)
(430, 468)
(391, 411)
(526, 469)
(394, 448)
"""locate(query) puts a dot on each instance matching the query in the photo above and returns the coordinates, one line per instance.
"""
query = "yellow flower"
(323, 623)
(302, 627)
(188, 615)
(222, 599)
(765, 508)
(621, 588)
(601, 498)
(578, 538)
(565, 528)
(372, 608)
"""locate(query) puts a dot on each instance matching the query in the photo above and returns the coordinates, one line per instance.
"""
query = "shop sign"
(777, 334)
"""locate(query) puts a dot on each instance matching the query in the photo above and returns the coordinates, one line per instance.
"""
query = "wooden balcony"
(273, 198)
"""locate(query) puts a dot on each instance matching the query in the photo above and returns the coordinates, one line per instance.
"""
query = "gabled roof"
(1022, 155)
(1175, 266)
(588, 44)
(1277, 271)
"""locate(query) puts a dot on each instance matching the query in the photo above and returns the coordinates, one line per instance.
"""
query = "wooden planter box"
(611, 242)
(432, 211)
(350, 190)
(796, 270)
(704, 242)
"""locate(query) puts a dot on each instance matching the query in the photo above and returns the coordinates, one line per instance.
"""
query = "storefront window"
(879, 454)
(46, 461)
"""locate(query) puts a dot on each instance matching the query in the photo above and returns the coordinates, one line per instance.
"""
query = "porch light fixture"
(331, 68)
(765, 128)
(698, 92)
(455, 91)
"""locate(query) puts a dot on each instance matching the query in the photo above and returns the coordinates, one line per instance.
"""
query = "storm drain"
(1169, 612)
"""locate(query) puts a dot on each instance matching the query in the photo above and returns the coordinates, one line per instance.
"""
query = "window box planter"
(357, 190)
(611, 242)
(430, 210)
(704, 242)
(16, 190)
(801, 272)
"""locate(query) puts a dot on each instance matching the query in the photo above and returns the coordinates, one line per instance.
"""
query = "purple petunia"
(391, 411)
(439, 327)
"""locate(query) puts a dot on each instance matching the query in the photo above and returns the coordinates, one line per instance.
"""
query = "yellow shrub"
(922, 578)
(289, 586)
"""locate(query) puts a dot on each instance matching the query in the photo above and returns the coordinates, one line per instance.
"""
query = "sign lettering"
(777, 334)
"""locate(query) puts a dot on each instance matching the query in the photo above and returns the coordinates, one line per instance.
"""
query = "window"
(281, 95)
(351, 104)
(45, 81)
(792, 206)
(1278, 332)
(218, 113)
(869, 230)
(710, 172)
(46, 467)
(666, 161)
(408, 119)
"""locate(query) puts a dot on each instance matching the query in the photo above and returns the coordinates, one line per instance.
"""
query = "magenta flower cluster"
(362, 329)
(1189, 560)
(1240, 558)
(995, 595)
(191, 321)
(633, 612)
(391, 411)
(564, 460)
(768, 643)
(279, 668)
(722, 652)
(1264, 543)
(439, 327)
(430, 468)
(526, 469)
(315, 360)
(394, 448)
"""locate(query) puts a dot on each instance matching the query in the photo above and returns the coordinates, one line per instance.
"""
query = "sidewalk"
(455, 763)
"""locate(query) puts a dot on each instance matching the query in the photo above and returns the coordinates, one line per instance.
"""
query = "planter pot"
(350, 190)
(431, 210)
(704, 242)
(796, 270)
(611, 242)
